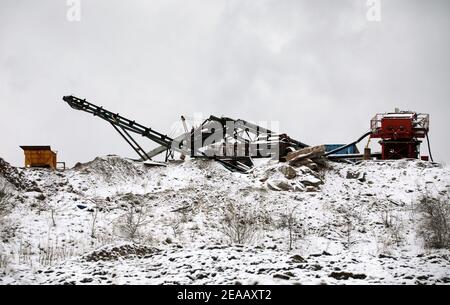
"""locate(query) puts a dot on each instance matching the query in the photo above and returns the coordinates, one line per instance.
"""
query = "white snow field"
(116, 221)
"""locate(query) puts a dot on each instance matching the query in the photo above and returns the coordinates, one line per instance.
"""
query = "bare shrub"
(176, 224)
(5, 197)
(348, 228)
(4, 262)
(103, 238)
(348, 222)
(387, 218)
(239, 223)
(3, 193)
(7, 227)
(132, 221)
(351, 221)
(54, 210)
(25, 253)
(393, 236)
(435, 227)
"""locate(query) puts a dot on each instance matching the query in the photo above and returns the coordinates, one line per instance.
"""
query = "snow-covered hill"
(115, 221)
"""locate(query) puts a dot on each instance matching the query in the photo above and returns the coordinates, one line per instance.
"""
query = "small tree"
(53, 211)
(132, 221)
(93, 224)
(292, 225)
(290, 222)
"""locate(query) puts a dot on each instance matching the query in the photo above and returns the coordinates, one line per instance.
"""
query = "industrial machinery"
(238, 142)
(235, 143)
(400, 133)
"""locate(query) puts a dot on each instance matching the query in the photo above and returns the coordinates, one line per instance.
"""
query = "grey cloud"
(318, 67)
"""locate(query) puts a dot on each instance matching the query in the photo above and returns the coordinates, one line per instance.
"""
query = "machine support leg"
(127, 137)
(168, 153)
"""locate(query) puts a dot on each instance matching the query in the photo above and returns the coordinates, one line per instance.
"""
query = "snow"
(340, 232)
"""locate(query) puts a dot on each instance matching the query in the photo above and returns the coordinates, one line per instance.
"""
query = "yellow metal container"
(39, 156)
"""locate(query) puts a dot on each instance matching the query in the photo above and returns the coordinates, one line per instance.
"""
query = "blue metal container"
(348, 151)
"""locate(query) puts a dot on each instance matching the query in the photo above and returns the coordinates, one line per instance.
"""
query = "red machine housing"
(400, 133)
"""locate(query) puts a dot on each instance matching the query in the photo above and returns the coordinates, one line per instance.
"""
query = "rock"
(87, 280)
(279, 185)
(408, 277)
(305, 162)
(272, 186)
(285, 186)
(298, 259)
(312, 165)
(306, 153)
(263, 178)
(386, 256)
(315, 267)
(312, 181)
(40, 197)
(201, 276)
(356, 175)
(311, 189)
(288, 171)
(298, 187)
(290, 274)
(423, 277)
(281, 276)
(262, 271)
(346, 275)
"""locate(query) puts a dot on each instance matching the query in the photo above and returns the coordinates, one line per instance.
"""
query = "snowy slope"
(345, 224)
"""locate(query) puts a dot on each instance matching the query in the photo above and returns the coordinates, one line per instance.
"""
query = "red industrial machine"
(400, 133)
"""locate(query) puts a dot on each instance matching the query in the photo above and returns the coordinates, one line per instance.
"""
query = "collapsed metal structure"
(233, 143)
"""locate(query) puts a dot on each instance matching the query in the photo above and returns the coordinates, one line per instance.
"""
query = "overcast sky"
(320, 68)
